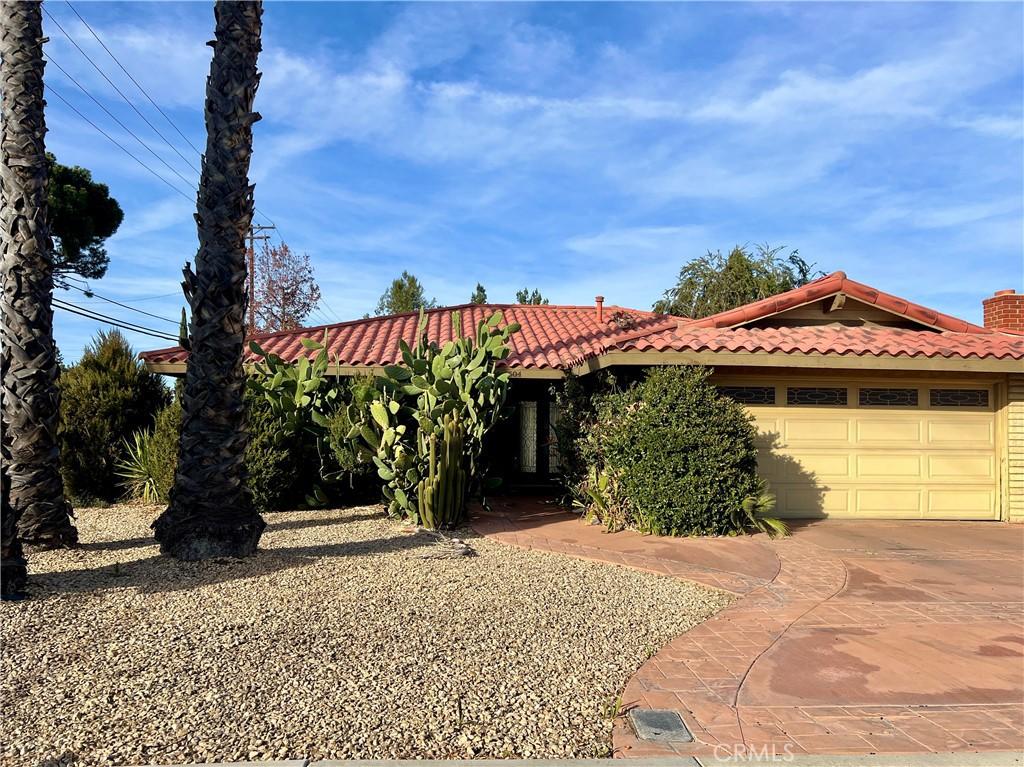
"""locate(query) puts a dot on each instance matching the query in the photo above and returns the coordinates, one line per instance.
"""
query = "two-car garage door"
(894, 452)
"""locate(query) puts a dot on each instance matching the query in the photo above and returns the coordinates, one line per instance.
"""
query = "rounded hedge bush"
(680, 457)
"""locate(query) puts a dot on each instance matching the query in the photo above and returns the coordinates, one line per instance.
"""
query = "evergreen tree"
(405, 294)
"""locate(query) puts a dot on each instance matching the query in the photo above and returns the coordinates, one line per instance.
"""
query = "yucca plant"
(147, 467)
(136, 468)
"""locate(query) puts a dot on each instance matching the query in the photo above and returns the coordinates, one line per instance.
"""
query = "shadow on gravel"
(158, 574)
(327, 519)
(127, 543)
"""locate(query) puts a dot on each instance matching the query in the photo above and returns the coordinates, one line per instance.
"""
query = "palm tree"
(33, 493)
(211, 512)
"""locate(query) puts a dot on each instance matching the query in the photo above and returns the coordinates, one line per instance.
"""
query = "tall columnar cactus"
(441, 494)
(441, 396)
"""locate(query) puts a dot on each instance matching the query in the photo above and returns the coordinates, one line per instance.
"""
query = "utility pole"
(255, 231)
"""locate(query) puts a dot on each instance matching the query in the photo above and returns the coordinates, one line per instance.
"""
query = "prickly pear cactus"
(296, 392)
(425, 430)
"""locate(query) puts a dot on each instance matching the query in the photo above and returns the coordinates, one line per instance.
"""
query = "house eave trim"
(800, 360)
(178, 369)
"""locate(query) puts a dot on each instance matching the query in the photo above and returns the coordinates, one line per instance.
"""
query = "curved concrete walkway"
(846, 638)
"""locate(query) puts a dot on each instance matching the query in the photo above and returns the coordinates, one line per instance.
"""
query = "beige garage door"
(880, 451)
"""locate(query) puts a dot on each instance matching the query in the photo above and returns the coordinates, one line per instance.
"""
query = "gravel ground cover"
(339, 640)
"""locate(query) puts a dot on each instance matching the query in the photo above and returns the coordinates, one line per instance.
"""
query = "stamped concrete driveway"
(846, 638)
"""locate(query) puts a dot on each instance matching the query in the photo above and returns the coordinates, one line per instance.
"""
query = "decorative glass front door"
(528, 437)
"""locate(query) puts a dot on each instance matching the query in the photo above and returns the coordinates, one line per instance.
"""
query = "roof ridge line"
(829, 285)
(451, 308)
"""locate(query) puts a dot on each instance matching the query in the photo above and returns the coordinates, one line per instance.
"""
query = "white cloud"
(746, 173)
(922, 86)
(178, 81)
(630, 242)
(996, 126)
(166, 213)
(920, 214)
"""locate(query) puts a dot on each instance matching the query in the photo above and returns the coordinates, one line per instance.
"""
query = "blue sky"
(578, 148)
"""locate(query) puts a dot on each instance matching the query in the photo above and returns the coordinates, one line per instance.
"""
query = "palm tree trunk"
(211, 513)
(33, 502)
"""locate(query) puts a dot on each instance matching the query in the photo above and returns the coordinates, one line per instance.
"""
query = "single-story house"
(868, 405)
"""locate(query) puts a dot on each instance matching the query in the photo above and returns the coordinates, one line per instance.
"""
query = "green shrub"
(678, 458)
(575, 398)
(284, 465)
(105, 398)
(291, 405)
(147, 470)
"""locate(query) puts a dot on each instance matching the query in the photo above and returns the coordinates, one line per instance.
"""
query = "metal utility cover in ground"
(659, 724)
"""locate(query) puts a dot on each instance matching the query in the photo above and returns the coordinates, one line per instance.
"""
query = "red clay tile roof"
(831, 284)
(551, 336)
(867, 340)
(560, 337)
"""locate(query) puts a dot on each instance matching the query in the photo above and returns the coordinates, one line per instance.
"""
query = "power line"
(273, 224)
(99, 315)
(92, 294)
(144, 92)
(117, 143)
(326, 320)
(89, 314)
(129, 74)
(152, 298)
(132, 133)
(327, 306)
(114, 117)
(114, 86)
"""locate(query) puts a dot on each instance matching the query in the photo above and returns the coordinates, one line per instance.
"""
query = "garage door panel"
(788, 466)
(967, 431)
(889, 432)
(802, 502)
(809, 431)
(898, 466)
(949, 503)
(907, 503)
(960, 467)
(769, 432)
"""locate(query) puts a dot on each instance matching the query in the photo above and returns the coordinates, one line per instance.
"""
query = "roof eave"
(848, 361)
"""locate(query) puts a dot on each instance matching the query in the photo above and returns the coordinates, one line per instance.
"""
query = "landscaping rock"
(336, 641)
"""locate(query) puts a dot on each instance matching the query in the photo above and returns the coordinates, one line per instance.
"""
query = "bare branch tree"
(286, 291)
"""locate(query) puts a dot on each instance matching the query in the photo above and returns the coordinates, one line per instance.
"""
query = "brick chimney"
(1005, 311)
(599, 303)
